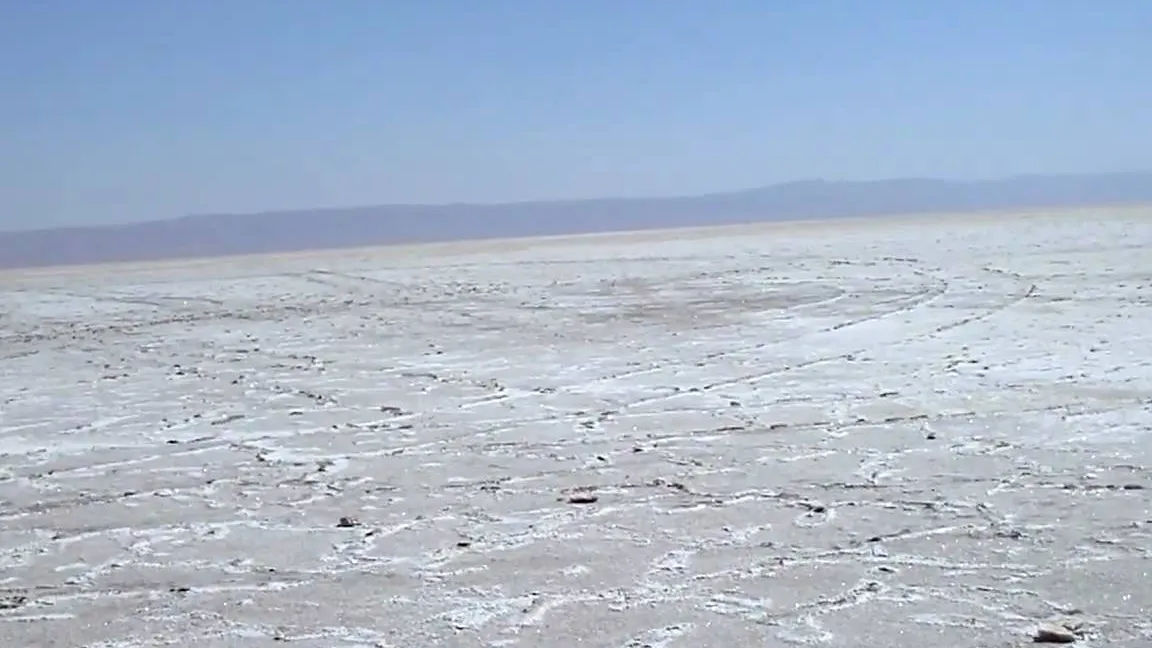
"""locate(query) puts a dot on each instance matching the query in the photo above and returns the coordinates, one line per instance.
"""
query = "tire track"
(843, 329)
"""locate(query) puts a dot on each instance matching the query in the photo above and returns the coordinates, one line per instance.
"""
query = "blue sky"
(122, 110)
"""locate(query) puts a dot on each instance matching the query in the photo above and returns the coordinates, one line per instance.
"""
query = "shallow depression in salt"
(892, 432)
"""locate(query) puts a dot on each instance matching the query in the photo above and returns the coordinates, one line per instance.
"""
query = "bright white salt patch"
(825, 434)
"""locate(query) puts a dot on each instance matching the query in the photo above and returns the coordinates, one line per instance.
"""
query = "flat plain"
(928, 431)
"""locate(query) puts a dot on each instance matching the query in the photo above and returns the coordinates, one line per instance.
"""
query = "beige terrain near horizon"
(435, 249)
(876, 432)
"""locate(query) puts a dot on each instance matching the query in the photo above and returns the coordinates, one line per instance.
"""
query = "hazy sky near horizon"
(127, 110)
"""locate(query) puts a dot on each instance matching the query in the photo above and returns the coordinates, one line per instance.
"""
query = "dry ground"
(905, 432)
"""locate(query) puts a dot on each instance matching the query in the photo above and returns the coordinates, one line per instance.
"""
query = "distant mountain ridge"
(315, 229)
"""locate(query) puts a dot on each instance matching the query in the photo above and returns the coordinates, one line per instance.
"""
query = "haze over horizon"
(131, 111)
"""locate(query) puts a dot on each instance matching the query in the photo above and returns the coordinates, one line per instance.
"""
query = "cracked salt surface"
(886, 433)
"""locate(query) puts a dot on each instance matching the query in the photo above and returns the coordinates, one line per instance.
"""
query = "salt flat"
(912, 432)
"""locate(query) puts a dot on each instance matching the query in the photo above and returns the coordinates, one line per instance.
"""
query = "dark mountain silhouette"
(286, 231)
